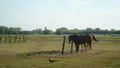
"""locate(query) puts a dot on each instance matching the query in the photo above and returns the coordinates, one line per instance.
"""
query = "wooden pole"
(19, 37)
(10, 38)
(24, 38)
(15, 38)
(5, 39)
(63, 46)
(1, 38)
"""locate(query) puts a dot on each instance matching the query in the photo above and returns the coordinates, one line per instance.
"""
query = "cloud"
(79, 3)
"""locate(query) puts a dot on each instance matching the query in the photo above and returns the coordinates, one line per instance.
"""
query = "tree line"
(59, 31)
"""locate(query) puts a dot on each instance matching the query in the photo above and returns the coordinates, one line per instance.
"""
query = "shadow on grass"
(41, 52)
(56, 52)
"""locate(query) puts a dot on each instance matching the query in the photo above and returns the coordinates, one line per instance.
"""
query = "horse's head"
(70, 39)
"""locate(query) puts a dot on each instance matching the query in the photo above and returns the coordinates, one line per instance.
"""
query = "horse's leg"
(77, 47)
(82, 47)
(90, 46)
(71, 47)
(85, 47)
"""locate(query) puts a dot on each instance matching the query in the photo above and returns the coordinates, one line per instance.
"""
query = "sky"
(53, 14)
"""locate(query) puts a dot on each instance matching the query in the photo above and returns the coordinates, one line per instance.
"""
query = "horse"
(86, 40)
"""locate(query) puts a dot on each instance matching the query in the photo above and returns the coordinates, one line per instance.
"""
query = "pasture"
(31, 54)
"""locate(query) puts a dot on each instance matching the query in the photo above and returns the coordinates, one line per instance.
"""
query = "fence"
(12, 38)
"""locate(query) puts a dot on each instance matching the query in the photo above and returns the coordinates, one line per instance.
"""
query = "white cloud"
(79, 3)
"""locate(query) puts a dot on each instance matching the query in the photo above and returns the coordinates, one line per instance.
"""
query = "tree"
(3, 29)
(98, 31)
(10, 30)
(37, 31)
(75, 31)
(61, 31)
(48, 31)
(87, 31)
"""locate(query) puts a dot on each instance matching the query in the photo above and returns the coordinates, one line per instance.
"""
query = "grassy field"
(106, 53)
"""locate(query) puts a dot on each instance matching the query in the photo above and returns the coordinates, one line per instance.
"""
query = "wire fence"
(12, 38)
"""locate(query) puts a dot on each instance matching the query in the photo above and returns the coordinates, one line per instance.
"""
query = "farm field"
(32, 53)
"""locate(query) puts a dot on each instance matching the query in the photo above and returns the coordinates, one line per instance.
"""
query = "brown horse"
(86, 40)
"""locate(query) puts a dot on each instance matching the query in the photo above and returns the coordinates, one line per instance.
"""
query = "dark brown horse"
(86, 40)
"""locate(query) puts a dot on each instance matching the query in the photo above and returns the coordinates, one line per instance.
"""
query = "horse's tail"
(94, 38)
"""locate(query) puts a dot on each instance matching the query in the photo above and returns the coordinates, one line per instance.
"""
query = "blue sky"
(53, 14)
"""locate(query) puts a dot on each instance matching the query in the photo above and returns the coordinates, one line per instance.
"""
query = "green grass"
(101, 37)
(16, 55)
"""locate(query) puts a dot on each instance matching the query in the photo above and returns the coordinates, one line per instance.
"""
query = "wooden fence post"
(63, 46)
(24, 39)
(10, 38)
(18, 38)
(5, 39)
(15, 38)
(1, 38)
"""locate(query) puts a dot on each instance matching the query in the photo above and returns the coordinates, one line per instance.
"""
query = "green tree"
(37, 31)
(47, 31)
(61, 31)
(75, 31)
